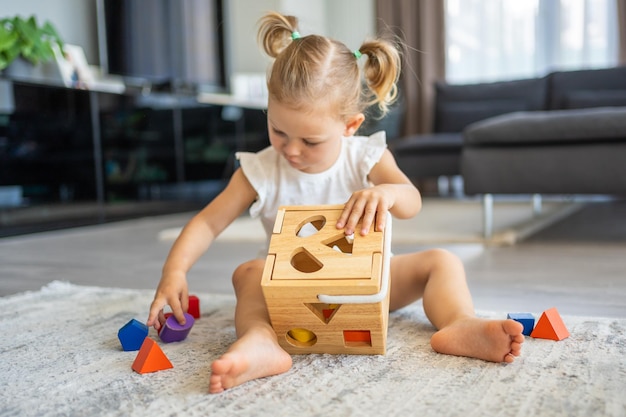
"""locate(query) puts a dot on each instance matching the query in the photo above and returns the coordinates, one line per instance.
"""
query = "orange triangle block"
(150, 358)
(550, 326)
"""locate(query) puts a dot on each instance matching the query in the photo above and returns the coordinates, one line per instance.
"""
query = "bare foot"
(254, 355)
(490, 340)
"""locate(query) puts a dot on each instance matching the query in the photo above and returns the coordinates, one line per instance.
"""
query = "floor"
(577, 265)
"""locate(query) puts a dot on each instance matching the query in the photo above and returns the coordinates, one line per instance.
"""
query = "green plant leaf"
(52, 34)
(7, 39)
(24, 37)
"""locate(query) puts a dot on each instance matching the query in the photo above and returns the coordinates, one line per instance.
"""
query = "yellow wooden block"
(302, 335)
(326, 292)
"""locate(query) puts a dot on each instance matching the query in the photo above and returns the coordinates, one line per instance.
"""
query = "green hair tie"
(295, 35)
(357, 54)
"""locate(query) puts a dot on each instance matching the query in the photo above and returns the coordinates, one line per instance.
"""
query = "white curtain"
(490, 40)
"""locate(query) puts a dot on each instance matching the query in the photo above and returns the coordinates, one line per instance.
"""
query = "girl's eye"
(278, 132)
(308, 143)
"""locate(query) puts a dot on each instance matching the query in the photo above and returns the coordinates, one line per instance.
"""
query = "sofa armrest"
(549, 127)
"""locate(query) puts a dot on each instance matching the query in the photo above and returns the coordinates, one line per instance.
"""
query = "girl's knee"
(247, 271)
(443, 255)
(443, 258)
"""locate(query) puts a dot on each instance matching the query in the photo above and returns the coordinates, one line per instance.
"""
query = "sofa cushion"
(458, 105)
(549, 127)
(457, 115)
(436, 142)
(430, 155)
(599, 98)
(573, 169)
(562, 84)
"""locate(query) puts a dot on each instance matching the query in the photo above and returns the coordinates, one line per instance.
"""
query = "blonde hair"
(316, 69)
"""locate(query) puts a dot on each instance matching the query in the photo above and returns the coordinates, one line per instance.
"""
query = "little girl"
(316, 103)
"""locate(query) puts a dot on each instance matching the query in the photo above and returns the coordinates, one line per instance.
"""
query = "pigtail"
(381, 72)
(314, 70)
(276, 32)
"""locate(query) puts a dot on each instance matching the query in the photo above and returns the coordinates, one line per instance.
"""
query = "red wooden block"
(166, 316)
(194, 306)
(357, 336)
(550, 326)
(150, 358)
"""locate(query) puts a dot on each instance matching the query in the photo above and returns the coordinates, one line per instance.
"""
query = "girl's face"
(309, 141)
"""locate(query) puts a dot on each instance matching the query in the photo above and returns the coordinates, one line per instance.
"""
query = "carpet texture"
(61, 356)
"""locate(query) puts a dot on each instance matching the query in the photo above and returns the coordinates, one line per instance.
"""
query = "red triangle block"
(151, 358)
(550, 326)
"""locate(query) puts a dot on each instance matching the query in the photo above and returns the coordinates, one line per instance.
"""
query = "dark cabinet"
(46, 145)
(61, 147)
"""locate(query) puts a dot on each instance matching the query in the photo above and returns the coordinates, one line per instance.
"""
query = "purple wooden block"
(173, 331)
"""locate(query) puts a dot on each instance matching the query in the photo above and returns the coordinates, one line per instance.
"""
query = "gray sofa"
(459, 105)
(576, 146)
(579, 151)
(564, 133)
(456, 106)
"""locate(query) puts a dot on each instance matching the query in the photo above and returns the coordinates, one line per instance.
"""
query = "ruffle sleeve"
(373, 150)
(253, 168)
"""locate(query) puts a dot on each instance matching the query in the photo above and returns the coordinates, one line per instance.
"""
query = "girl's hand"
(172, 291)
(370, 206)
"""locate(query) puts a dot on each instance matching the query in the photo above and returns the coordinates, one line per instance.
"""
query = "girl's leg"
(438, 277)
(256, 352)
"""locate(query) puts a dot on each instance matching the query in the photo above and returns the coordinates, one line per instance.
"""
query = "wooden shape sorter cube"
(326, 292)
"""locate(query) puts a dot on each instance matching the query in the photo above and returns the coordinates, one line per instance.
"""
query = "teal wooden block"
(526, 319)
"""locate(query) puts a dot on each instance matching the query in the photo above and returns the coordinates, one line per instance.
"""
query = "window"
(490, 40)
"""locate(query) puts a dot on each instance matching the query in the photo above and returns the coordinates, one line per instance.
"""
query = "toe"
(509, 358)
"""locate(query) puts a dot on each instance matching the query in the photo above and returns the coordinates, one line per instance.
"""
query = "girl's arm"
(194, 240)
(392, 191)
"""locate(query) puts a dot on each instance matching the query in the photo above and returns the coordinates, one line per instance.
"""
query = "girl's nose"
(291, 148)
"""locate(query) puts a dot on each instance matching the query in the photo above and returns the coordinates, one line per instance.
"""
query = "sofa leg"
(443, 185)
(487, 215)
(537, 204)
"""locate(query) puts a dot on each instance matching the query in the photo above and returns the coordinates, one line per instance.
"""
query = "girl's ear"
(353, 123)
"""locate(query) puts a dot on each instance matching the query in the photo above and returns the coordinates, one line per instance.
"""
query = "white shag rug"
(61, 357)
(441, 221)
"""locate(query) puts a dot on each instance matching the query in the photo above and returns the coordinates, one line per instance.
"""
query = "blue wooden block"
(527, 320)
(132, 335)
